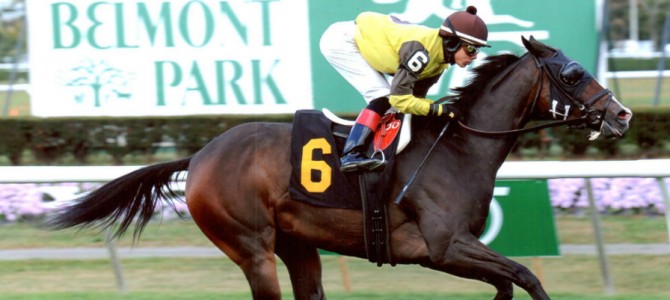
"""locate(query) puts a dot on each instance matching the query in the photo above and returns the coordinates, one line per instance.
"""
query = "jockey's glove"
(447, 111)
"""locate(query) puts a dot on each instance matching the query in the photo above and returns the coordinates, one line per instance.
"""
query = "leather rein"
(590, 118)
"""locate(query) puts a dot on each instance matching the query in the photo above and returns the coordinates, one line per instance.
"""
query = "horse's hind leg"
(304, 267)
(247, 239)
(256, 260)
(261, 273)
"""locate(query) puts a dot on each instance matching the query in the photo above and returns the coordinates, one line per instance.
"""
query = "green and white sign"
(521, 221)
(168, 57)
(144, 57)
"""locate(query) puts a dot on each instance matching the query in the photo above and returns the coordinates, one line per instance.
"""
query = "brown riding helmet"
(467, 26)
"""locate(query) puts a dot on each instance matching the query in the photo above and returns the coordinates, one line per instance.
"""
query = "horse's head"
(569, 92)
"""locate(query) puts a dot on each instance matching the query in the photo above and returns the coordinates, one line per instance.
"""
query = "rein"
(587, 119)
(522, 130)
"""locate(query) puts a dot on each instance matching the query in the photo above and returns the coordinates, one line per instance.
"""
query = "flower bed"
(32, 201)
(612, 195)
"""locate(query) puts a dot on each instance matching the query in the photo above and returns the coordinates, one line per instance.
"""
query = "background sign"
(521, 220)
(143, 57)
(168, 57)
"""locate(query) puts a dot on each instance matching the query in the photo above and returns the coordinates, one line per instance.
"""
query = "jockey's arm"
(422, 86)
(407, 91)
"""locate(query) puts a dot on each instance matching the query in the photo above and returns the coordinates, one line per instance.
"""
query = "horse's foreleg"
(304, 267)
(465, 256)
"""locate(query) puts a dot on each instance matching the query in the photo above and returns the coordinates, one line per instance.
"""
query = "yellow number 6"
(308, 164)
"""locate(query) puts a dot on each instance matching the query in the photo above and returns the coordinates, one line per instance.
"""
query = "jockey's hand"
(447, 111)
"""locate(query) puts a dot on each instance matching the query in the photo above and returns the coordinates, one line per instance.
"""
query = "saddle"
(317, 140)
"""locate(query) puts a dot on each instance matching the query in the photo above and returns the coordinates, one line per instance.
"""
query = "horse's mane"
(490, 72)
(482, 76)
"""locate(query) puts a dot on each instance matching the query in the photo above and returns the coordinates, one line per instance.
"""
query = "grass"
(19, 106)
(157, 234)
(343, 296)
(214, 277)
(636, 229)
(565, 277)
(571, 230)
(634, 92)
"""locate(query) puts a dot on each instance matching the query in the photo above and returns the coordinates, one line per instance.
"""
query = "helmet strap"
(450, 44)
(449, 47)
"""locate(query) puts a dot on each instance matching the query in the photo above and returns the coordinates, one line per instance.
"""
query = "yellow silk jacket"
(411, 53)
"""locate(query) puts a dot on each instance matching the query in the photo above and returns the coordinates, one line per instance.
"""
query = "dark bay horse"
(237, 185)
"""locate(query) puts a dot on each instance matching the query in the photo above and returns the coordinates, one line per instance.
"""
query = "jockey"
(374, 45)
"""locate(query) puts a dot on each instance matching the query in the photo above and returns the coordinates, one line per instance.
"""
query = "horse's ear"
(536, 48)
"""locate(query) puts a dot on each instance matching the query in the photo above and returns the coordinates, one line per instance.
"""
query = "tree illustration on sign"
(100, 77)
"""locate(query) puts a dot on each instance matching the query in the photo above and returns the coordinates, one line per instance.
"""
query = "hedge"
(50, 140)
(648, 137)
(20, 76)
(636, 64)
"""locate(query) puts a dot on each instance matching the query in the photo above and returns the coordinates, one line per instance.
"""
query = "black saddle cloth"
(316, 149)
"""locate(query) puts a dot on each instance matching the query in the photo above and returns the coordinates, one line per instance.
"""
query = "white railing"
(14, 87)
(637, 74)
(46, 174)
(509, 170)
(584, 169)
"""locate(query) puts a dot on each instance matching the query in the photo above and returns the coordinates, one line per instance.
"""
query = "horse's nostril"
(624, 115)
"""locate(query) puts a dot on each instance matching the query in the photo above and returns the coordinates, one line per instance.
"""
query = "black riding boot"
(354, 151)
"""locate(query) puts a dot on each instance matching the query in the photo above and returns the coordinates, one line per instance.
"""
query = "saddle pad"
(315, 160)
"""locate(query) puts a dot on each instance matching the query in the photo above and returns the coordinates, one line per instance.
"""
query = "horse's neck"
(503, 108)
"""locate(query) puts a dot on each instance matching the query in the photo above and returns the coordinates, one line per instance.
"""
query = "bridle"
(590, 118)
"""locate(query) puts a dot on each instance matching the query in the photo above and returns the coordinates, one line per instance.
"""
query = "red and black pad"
(388, 131)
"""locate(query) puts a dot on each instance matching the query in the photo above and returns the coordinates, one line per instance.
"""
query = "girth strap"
(375, 220)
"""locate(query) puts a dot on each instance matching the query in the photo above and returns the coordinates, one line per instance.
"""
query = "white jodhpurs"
(339, 48)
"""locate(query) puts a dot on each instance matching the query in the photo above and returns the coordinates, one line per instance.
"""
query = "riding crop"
(416, 172)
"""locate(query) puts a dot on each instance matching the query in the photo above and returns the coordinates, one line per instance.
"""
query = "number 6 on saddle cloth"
(315, 157)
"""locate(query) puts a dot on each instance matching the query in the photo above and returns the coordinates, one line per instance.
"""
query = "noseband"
(590, 118)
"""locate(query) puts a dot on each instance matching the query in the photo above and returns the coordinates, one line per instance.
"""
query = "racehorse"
(237, 185)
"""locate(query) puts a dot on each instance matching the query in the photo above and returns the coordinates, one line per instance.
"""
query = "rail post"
(600, 244)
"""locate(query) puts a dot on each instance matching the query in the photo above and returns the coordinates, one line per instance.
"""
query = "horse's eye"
(571, 73)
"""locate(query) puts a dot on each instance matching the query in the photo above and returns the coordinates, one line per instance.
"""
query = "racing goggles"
(470, 50)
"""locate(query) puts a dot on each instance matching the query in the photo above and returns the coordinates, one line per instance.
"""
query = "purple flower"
(24, 201)
(610, 194)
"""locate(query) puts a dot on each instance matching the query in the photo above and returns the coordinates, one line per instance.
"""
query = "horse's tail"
(122, 200)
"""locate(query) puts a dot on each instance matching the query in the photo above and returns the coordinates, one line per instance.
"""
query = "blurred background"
(113, 83)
